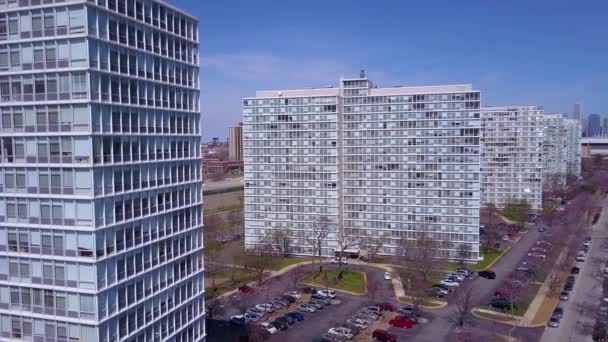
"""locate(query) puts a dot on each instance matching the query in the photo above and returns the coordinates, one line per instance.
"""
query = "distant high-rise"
(378, 164)
(573, 147)
(593, 128)
(554, 150)
(511, 155)
(578, 111)
(235, 142)
(100, 187)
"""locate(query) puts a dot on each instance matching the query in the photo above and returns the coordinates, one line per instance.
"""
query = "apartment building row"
(561, 150)
(100, 184)
(385, 164)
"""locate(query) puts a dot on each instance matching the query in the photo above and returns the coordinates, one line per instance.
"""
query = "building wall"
(511, 155)
(573, 147)
(386, 163)
(101, 198)
(554, 150)
(235, 143)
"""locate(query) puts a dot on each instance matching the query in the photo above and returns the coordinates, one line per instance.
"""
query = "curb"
(506, 249)
(438, 306)
(476, 311)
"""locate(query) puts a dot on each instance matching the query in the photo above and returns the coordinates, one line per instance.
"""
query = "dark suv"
(487, 274)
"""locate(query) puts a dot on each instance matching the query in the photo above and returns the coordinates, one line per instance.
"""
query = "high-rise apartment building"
(578, 111)
(511, 155)
(235, 142)
(573, 147)
(554, 150)
(594, 125)
(100, 185)
(383, 164)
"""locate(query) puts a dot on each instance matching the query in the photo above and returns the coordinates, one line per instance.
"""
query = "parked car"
(294, 294)
(370, 314)
(466, 269)
(575, 270)
(383, 336)
(289, 299)
(255, 310)
(386, 306)
(327, 293)
(570, 279)
(338, 260)
(280, 324)
(290, 320)
(252, 317)
(360, 324)
(502, 293)
(309, 290)
(307, 308)
(558, 312)
(268, 327)
(580, 256)
(266, 307)
(553, 322)
(401, 322)
(316, 304)
(411, 316)
(450, 283)
(363, 317)
(278, 305)
(387, 276)
(319, 296)
(487, 274)
(541, 229)
(501, 303)
(296, 315)
(238, 319)
(246, 289)
(376, 309)
(568, 287)
(564, 295)
(437, 292)
(585, 248)
(341, 331)
(441, 286)
(458, 276)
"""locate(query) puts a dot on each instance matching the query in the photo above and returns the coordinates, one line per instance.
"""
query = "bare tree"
(214, 307)
(373, 245)
(213, 250)
(320, 231)
(281, 240)
(260, 260)
(345, 241)
(463, 253)
(517, 211)
(464, 303)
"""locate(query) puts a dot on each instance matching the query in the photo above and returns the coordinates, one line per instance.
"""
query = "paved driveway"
(580, 309)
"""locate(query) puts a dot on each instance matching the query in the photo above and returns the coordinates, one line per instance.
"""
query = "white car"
(458, 276)
(327, 293)
(294, 294)
(387, 276)
(342, 332)
(361, 324)
(266, 307)
(450, 283)
(266, 326)
(337, 260)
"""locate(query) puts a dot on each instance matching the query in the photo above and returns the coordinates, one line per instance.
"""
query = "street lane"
(581, 307)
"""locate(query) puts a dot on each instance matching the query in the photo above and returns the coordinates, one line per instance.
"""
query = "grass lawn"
(352, 281)
(488, 259)
(284, 262)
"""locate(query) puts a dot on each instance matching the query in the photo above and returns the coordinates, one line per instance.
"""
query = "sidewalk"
(538, 300)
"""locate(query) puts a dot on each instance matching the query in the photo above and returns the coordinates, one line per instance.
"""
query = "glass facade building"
(511, 155)
(100, 182)
(381, 164)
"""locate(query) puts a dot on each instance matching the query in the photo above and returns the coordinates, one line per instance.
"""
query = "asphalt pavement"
(580, 309)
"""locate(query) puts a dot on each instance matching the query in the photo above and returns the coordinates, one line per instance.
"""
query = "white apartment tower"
(511, 155)
(100, 185)
(378, 163)
(554, 150)
(573, 147)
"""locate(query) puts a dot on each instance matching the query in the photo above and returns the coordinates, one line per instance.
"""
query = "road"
(579, 310)
(441, 328)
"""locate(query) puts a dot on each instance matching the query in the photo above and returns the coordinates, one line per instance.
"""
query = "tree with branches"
(463, 298)
(463, 253)
(373, 246)
(345, 242)
(319, 233)
(260, 260)
(213, 250)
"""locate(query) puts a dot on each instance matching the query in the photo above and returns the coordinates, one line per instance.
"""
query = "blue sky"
(552, 53)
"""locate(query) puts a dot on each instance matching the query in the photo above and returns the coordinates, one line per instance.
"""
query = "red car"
(383, 336)
(401, 322)
(502, 293)
(386, 306)
(246, 289)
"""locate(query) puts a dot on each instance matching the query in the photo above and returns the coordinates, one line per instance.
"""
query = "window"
(78, 53)
(77, 17)
(79, 86)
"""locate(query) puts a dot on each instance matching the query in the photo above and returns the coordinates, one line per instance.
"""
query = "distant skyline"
(545, 53)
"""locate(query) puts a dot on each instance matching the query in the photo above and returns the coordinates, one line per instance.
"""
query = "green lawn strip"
(428, 302)
(285, 262)
(488, 259)
(492, 316)
(352, 281)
